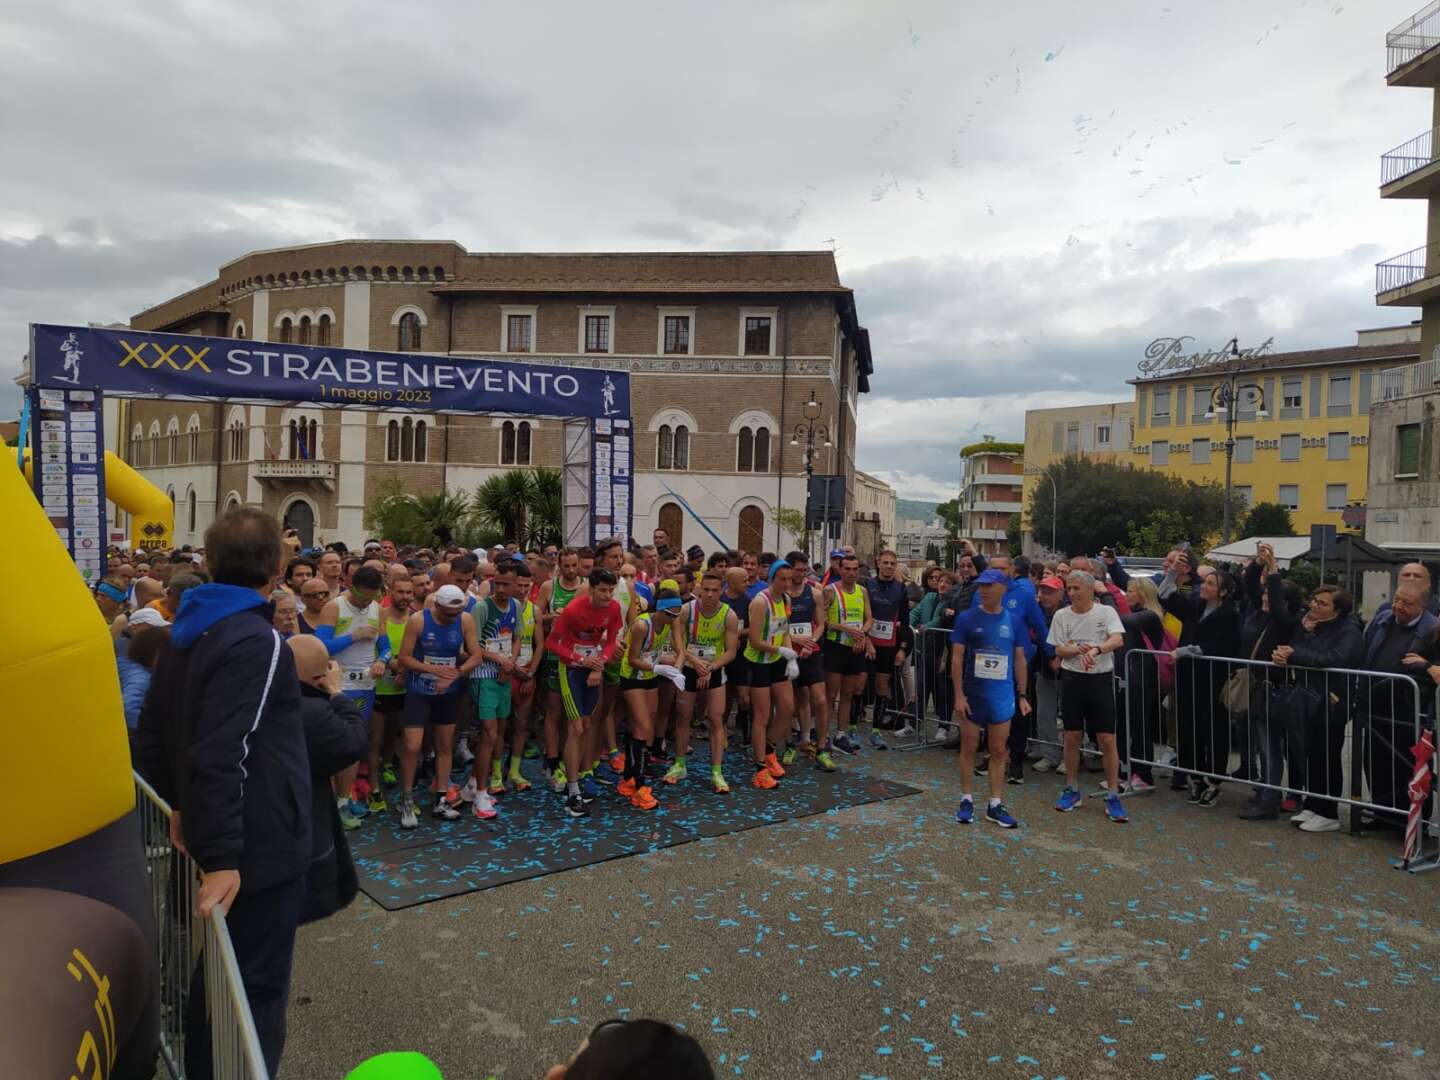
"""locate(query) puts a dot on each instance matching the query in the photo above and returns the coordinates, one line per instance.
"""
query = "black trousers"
(1202, 723)
(262, 928)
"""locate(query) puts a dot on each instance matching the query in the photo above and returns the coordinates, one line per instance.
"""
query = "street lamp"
(1049, 474)
(1225, 401)
(808, 432)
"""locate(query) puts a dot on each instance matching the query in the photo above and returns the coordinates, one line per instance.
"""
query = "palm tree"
(440, 515)
(503, 502)
(546, 509)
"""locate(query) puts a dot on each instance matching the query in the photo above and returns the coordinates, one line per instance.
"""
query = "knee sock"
(642, 760)
(631, 757)
(551, 764)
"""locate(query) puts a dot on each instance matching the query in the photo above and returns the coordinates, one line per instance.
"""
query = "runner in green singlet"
(389, 693)
(707, 636)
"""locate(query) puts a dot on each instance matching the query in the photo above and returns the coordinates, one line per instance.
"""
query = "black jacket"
(336, 737)
(1216, 633)
(221, 739)
(1335, 643)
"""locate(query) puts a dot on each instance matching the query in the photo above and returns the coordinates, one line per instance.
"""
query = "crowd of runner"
(606, 664)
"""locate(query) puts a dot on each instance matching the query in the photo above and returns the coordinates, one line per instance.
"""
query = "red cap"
(1051, 582)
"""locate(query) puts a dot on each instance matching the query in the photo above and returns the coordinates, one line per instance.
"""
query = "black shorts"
(766, 675)
(389, 704)
(1087, 702)
(717, 678)
(633, 683)
(432, 710)
(737, 672)
(841, 659)
(812, 671)
(884, 662)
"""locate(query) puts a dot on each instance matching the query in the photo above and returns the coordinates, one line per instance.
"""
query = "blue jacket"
(1020, 601)
(134, 682)
(221, 737)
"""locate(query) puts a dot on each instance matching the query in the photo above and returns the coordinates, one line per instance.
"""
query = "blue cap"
(668, 603)
(838, 553)
(993, 577)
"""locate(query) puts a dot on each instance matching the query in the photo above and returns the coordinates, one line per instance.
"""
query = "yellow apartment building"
(1102, 432)
(1301, 420)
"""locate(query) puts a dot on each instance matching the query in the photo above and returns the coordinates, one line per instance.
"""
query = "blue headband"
(106, 589)
(776, 567)
(668, 603)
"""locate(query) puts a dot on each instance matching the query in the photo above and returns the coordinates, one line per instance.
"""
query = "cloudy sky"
(1022, 194)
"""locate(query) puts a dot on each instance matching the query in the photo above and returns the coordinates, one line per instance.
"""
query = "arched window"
(236, 439)
(304, 336)
(304, 439)
(322, 329)
(154, 455)
(239, 331)
(192, 431)
(673, 522)
(745, 451)
(752, 529)
(672, 447)
(762, 449)
(190, 510)
(172, 438)
(137, 445)
(392, 441)
(170, 493)
(409, 326)
(515, 442)
(407, 439)
(682, 447)
(286, 331)
(422, 431)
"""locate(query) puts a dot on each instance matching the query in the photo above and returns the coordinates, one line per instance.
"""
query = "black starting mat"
(533, 836)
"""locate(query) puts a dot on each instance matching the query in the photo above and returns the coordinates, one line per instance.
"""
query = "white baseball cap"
(147, 617)
(449, 596)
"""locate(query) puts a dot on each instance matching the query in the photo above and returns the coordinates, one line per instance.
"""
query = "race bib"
(499, 644)
(706, 652)
(426, 683)
(880, 630)
(585, 652)
(358, 678)
(527, 650)
(440, 661)
(778, 627)
(800, 629)
(992, 665)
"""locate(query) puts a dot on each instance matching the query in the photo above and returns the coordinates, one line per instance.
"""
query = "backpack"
(1164, 664)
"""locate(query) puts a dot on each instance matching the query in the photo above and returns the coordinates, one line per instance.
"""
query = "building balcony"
(994, 478)
(1412, 380)
(981, 506)
(1411, 170)
(320, 472)
(1411, 54)
(985, 534)
(1406, 280)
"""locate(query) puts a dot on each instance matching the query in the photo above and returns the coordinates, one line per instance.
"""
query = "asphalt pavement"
(889, 941)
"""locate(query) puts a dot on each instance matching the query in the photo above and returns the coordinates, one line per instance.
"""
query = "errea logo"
(161, 355)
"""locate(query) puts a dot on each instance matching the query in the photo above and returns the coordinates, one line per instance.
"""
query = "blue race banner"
(134, 363)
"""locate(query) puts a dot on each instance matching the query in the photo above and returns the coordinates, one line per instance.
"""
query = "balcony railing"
(1414, 37)
(1400, 271)
(1408, 158)
(295, 470)
(1408, 381)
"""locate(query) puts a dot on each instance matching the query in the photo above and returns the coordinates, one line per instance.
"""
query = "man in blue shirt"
(989, 668)
(1020, 601)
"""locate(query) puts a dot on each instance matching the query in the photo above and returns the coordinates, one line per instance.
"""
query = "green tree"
(1012, 535)
(547, 509)
(523, 505)
(1268, 519)
(949, 515)
(441, 517)
(406, 518)
(791, 521)
(1162, 531)
(932, 553)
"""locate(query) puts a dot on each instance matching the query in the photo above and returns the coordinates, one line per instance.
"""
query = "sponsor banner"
(69, 477)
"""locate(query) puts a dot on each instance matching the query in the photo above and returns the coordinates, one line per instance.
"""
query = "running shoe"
(376, 802)
(464, 756)
(1103, 789)
(1320, 823)
(604, 774)
(409, 818)
(906, 732)
(532, 752)
(1197, 790)
(845, 744)
(1015, 776)
(589, 790)
(444, 810)
(808, 748)
(772, 763)
(557, 779)
(1139, 785)
(877, 741)
(469, 791)
(966, 814)
(676, 773)
(982, 764)
(575, 806)
(497, 779)
(1115, 810)
(348, 820)
(1302, 817)
(1043, 765)
(484, 806)
(1069, 800)
(357, 807)
(764, 780)
(617, 761)
(642, 799)
(1290, 804)
(452, 795)
(998, 815)
(1210, 796)
(787, 757)
(626, 787)
(718, 782)
(387, 775)
(518, 782)
(824, 762)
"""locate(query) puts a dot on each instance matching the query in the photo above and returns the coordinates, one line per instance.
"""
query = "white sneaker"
(1104, 789)
(469, 791)
(906, 732)
(1302, 817)
(1166, 756)
(1043, 765)
(484, 806)
(463, 754)
(1320, 824)
(409, 819)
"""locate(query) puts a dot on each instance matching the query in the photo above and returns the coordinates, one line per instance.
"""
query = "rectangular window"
(1200, 452)
(1289, 447)
(757, 335)
(1160, 413)
(677, 333)
(1337, 446)
(1072, 438)
(1407, 451)
(1245, 493)
(1102, 437)
(1057, 437)
(1160, 452)
(597, 333)
(1289, 496)
(519, 333)
(1202, 404)
(1292, 398)
(1335, 497)
(1245, 450)
(1338, 401)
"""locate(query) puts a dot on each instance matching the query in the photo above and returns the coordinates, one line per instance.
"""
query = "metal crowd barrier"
(186, 941)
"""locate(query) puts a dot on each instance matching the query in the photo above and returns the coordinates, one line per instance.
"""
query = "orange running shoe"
(764, 780)
(626, 787)
(772, 763)
(617, 761)
(643, 800)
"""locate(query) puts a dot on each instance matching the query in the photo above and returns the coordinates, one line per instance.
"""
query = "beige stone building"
(875, 506)
(723, 350)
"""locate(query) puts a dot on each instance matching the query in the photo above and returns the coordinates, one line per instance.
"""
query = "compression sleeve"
(333, 644)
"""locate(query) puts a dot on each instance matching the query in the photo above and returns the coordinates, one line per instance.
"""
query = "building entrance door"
(301, 517)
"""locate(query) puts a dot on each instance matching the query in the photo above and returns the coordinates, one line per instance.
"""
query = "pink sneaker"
(484, 807)
(1140, 786)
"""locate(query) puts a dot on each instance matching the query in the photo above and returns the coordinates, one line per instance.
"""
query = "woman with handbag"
(1271, 619)
(1209, 635)
(1143, 678)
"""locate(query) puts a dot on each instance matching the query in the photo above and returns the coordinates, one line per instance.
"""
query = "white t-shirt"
(1069, 627)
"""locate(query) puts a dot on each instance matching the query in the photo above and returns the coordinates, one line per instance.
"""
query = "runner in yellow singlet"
(707, 637)
(847, 647)
(768, 654)
(649, 645)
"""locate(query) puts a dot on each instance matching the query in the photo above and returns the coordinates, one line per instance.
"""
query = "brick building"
(723, 349)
